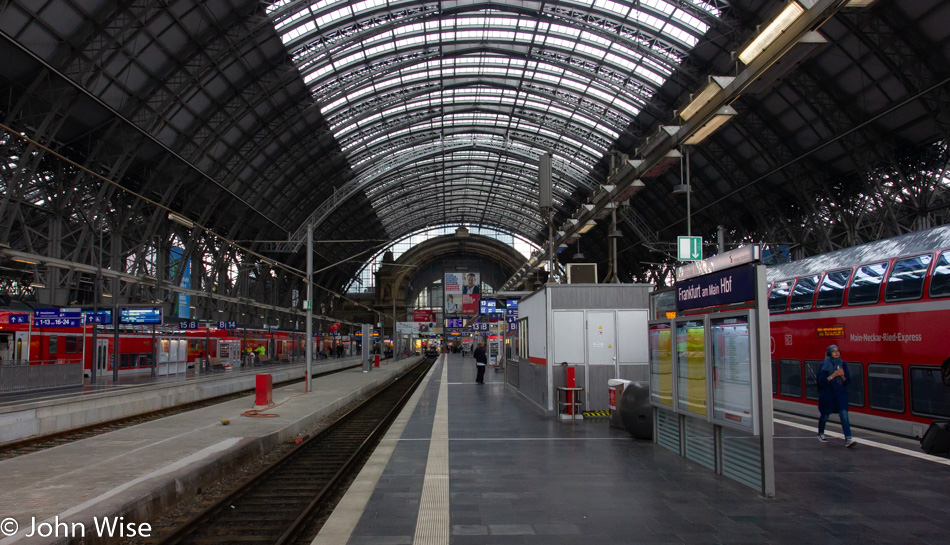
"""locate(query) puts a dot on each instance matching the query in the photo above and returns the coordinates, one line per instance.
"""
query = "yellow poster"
(665, 367)
(696, 365)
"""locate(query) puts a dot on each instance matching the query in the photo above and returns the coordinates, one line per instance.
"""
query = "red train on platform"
(886, 304)
(51, 345)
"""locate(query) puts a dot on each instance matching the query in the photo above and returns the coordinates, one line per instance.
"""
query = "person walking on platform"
(833, 379)
(481, 360)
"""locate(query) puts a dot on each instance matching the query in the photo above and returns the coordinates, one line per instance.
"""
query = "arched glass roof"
(452, 104)
(365, 280)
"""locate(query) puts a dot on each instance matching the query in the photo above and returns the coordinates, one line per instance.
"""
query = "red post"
(376, 360)
(264, 389)
(571, 383)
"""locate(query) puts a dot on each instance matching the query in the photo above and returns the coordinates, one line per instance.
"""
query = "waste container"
(615, 387)
(635, 410)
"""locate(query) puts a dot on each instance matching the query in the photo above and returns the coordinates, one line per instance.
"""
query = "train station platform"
(139, 471)
(474, 464)
(29, 414)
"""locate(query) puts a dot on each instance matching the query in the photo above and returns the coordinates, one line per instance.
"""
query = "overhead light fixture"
(780, 24)
(106, 294)
(38, 285)
(724, 114)
(26, 260)
(181, 220)
(716, 84)
(681, 189)
(661, 136)
(859, 3)
(671, 158)
(587, 227)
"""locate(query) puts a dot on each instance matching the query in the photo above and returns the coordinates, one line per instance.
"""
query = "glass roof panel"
(403, 83)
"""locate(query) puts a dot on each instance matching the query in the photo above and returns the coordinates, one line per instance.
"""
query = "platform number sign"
(95, 318)
(187, 325)
(19, 318)
(227, 325)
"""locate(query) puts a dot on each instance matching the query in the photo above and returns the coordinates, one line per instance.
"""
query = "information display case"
(691, 385)
(661, 364)
(733, 373)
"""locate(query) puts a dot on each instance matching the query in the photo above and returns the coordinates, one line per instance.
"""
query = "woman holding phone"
(833, 379)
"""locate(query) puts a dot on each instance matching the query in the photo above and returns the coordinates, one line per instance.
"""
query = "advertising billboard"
(462, 292)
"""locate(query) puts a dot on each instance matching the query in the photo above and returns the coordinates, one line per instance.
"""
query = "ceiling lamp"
(587, 227)
(780, 24)
(181, 220)
(716, 84)
(26, 260)
(724, 114)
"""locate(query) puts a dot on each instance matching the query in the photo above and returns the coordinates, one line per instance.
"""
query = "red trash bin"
(264, 389)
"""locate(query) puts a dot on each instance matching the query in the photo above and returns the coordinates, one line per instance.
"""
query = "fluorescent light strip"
(775, 29)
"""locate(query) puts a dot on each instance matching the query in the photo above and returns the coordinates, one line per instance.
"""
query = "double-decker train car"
(886, 304)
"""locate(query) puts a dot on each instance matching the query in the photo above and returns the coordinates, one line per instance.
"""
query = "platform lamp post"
(309, 305)
(95, 312)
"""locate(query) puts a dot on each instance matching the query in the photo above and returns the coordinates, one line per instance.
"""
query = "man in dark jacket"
(833, 379)
(481, 360)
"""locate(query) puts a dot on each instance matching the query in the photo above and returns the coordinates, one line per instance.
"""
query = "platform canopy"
(372, 120)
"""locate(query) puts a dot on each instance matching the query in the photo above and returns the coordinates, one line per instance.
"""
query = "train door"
(22, 346)
(101, 357)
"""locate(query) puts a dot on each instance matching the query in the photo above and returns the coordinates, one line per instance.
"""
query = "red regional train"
(886, 304)
(19, 342)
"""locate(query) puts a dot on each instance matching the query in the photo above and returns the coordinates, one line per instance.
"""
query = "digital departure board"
(152, 315)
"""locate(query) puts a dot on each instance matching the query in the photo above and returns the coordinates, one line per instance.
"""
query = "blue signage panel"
(455, 322)
(55, 322)
(513, 305)
(734, 285)
(486, 306)
(186, 325)
(512, 319)
(19, 318)
(479, 327)
(227, 325)
(96, 318)
(151, 315)
(55, 313)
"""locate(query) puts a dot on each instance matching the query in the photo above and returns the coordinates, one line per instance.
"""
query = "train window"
(779, 296)
(53, 343)
(929, 396)
(144, 360)
(811, 376)
(791, 375)
(123, 361)
(804, 293)
(866, 284)
(885, 387)
(831, 290)
(907, 278)
(940, 278)
(774, 377)
(71, 344)
(856, 386)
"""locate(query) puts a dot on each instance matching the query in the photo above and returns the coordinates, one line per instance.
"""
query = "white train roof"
(905, 245)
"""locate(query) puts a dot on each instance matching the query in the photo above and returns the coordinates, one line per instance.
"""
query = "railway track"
(35, 444)
(288, 502)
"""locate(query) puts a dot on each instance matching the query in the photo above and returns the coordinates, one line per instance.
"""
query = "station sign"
(512, 319)
(455, 322)
(19, 319)
(733, 285)
(55, 322)
(227, 324)
(55, 313)
(139, 315)
(479, 327)
(186, 325)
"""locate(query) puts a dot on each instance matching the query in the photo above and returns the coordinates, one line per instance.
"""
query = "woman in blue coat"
(833, 379)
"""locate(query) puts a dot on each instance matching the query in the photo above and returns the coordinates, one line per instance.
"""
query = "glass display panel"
(778, 297)
(866, 284)
(53, 344)
(940, 278)
(661, 365)
(791, 375)
(804, 293)
(811, 378)
(691, 367)
(907, 278)
(662, 302)
(856, 386)
(731, 370)
(831, 291)
(929, 396)
(886, 387)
